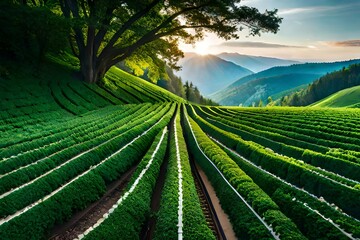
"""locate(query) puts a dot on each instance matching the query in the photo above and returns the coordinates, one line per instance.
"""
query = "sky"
(311, 30)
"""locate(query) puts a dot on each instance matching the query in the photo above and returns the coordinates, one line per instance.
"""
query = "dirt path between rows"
(89, 216)
(148, 228)
(222, 216)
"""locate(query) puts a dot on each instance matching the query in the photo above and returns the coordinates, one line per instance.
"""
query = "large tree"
(147, 32)
(30, 29)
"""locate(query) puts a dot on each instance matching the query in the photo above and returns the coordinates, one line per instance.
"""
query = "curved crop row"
(104, 94)
(148, 88)
(127, 215)
(179, 192)
(56, 131)
(258, 202)
(75, 195)
(109, 85)
(74, 97)
(46, 146)
(288, 197)
(287, 147)
(88, 95)
(70, 169)
(137, 92)
(84, 145)
(308, 128)
(264, 125)
(208, 113)
(65, 101)
(333, 147)
(290, 170)
(342, 119)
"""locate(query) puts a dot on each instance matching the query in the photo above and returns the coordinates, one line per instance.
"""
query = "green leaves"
(252, 193)
(194, 223)
(146, 34)
(128, 217)
(30, 32)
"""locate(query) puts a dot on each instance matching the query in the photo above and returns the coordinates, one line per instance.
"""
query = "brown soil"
(222, 216)
(149, 227)
(89, 216)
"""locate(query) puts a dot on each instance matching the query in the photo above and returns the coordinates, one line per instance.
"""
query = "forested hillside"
(325, 86)
(276, 81)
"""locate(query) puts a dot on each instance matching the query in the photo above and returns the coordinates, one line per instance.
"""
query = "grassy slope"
(139, 81)
(349, 97)
(25, 101)
(31, 101)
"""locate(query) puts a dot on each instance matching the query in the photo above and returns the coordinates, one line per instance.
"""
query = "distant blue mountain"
(210, 73)
(255, 63)
(259, 86)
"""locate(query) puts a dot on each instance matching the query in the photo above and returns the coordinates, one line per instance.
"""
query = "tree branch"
(82, 4)
(73, 8)
(69, 6)
(103, 30)
(148, 36)
(175, 15)
(125, 26)
(76, 54)
(121, 54)
(132, 20)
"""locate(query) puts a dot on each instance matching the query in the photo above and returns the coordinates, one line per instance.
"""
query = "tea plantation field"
(279, 173)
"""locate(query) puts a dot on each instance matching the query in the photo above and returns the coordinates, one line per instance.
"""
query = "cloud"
(289, 11)
(255, 45)
(349, 43)
(319, 9)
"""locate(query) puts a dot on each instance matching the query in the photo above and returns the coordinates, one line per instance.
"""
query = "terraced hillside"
(128, 160)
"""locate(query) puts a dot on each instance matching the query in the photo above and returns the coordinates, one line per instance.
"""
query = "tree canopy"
(143, 33)
(29, 29)
(147, 32)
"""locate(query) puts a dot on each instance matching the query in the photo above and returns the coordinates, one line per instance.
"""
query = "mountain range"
(210, 73)
(255, 63)
(259, 86)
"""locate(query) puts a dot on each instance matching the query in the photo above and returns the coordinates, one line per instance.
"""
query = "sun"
(201, 48)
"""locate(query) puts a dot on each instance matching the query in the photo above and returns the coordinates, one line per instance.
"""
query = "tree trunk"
(88, 72)
(91, 70)
(88, 65)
